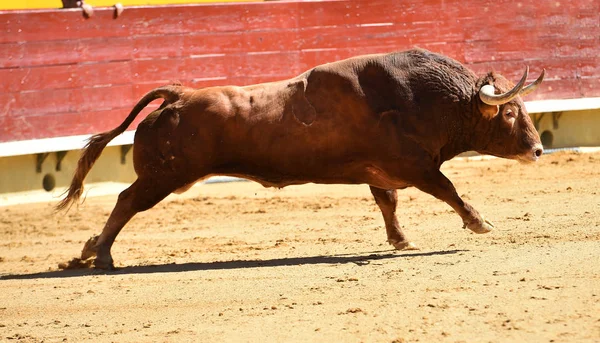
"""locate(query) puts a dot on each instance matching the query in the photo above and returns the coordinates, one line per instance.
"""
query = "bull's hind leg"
(387, 200)
(140, 196)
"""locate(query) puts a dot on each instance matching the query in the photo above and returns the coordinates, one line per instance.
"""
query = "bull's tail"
(97, 143)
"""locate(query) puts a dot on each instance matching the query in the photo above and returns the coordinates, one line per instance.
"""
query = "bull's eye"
(509, 113)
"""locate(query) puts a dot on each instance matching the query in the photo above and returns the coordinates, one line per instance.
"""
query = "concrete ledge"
(561, 105)
(37, 146)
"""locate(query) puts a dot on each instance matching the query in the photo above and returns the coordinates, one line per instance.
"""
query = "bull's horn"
(488, 96)
(530, 88)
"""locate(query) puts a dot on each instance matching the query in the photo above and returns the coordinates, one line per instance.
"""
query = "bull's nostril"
(538, 152)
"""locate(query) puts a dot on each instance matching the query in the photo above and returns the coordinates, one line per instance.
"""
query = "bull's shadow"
(360, 259)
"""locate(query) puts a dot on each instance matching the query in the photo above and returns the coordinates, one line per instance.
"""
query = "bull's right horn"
(488, 96)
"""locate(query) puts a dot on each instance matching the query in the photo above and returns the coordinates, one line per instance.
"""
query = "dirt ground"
(238, 262)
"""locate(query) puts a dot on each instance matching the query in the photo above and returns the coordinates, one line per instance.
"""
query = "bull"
(385, 120)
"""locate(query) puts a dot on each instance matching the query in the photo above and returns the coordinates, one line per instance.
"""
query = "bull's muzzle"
(533, 155)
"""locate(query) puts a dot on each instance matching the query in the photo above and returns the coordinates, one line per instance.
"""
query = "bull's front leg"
(387, 200)
(438, 185)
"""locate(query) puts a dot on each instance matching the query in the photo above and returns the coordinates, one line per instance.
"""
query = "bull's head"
(511, 133)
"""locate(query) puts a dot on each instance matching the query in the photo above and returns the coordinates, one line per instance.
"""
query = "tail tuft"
(91, 152)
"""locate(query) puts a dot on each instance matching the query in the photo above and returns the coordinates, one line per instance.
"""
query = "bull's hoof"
(484, 226)
(403, 245)
(104, 264)
(89, 249)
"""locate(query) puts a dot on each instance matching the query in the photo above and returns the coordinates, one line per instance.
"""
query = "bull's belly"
(270, 175)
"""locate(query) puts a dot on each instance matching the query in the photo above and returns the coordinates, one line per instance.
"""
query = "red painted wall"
(64, 75)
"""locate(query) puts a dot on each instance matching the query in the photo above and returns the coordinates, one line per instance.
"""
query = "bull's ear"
(487, 111)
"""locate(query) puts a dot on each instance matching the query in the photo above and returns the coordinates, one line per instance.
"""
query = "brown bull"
(386, 120)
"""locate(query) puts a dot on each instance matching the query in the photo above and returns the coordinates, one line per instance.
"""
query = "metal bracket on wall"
(124, 150)
(39, 160)
(555, 117)
(60, 155)
(537, 117)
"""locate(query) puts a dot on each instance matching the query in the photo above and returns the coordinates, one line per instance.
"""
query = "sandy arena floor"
(238, 262)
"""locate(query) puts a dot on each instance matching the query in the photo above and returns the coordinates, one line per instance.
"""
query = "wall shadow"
(360, 259)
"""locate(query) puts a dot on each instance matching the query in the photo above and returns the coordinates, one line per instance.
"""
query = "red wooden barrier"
(65, 75)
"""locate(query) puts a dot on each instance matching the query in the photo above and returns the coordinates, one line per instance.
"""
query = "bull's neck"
(459, 137)
(451, 150)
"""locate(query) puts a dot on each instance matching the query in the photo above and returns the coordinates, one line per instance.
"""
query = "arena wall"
(65, 75)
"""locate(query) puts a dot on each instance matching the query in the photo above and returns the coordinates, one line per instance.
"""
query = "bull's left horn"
(488, 96)
(530, 88)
